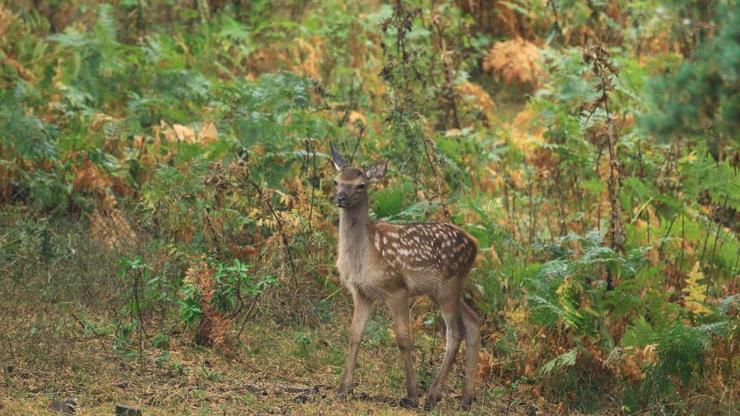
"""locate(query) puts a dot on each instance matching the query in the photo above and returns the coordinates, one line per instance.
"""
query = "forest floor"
(63, 317)
(274, 372)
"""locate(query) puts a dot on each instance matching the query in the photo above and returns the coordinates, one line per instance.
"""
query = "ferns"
(567, 359)
(564, 310)
(210, 127)
(27, 136)
(681, 351)
(696, 292)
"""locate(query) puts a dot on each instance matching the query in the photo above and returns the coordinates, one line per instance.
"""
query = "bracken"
(515, 61)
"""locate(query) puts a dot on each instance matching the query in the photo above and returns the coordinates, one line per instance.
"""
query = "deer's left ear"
(338, 160)
(376, 172)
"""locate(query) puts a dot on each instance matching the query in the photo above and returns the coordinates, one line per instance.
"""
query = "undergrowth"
(165, 190)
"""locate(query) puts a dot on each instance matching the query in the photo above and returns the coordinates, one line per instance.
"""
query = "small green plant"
(218, 295)
(210, 374)
(234, 290)
(163, 359)
(377, 332)
(161, 340)
(135, 273)
(303, 343)
(123, 336)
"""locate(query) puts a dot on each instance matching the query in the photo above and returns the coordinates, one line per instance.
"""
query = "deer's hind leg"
(471, 323)
(449, 305)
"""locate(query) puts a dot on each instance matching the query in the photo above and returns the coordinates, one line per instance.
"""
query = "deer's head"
(351, 182)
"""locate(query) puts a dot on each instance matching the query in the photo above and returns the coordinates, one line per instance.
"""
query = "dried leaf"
(208, 133)
(89, 177)
(486, 365)
(184, 133)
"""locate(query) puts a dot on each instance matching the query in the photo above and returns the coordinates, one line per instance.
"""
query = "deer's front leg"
(399, 306)
(362, 310)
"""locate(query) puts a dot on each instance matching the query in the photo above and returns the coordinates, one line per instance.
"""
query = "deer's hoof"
(466, 403)
(409, 402)
(431, 401)
(343, 391)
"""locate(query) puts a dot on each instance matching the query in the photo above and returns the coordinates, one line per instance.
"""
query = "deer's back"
(418, 249)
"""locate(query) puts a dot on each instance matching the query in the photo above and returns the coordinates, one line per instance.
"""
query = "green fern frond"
(562, 361)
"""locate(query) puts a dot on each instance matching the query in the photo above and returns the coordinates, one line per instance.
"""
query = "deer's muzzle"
(342, 200)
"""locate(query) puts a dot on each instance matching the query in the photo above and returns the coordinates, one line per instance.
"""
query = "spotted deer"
(396, 262)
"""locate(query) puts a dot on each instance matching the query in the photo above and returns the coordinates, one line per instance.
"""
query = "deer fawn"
(395, 262)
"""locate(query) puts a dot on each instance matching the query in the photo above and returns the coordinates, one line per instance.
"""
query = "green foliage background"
(172, 134)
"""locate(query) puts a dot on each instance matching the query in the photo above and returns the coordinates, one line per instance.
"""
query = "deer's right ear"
(376, 172)
(339, 162)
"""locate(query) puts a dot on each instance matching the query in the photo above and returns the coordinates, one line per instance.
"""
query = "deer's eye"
(335, 182)
(361, 186)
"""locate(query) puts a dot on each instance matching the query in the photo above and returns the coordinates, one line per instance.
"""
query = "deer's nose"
(342, 199)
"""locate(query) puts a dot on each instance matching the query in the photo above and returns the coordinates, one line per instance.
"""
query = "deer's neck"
(353, 239)
(353, 226)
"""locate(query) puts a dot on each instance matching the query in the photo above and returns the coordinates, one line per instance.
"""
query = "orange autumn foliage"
(515, 61)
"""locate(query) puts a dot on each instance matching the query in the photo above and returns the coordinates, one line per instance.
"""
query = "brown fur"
(394, 262)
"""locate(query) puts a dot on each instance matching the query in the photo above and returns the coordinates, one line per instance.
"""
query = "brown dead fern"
(515, 61)
(213, 327)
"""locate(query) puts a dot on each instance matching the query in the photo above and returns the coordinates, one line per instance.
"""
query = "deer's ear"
(376, 172)
(339, 162)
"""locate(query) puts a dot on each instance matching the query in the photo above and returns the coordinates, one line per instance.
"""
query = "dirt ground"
(274, 370)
